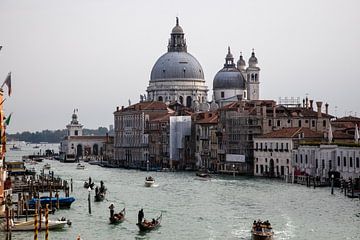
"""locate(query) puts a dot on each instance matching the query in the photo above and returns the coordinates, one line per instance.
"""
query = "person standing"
(140, 216)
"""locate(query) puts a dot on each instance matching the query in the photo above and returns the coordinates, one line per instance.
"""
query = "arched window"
(256, 76)
(252, 77)
(160, 98)
(188, 101)
(181, 99)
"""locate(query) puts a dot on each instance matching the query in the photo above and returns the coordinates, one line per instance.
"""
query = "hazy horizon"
(95, 55)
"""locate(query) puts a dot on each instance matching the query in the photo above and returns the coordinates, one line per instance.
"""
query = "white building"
(273, 151)
(320, 160)
(75, 145)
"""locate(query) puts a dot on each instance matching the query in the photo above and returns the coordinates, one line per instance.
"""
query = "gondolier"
(140, 216)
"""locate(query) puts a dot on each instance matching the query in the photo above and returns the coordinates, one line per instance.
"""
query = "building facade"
(131, 140)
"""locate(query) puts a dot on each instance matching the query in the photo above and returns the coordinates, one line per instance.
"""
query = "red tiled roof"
(163, 118)
(154, 105)
(293, 132)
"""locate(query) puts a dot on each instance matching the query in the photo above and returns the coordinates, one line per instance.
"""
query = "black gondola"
(150, 225)
(118, 217)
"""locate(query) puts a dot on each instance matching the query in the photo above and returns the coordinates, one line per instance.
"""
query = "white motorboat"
(29, 225)
(80, 166)
(47, 166)
(149, 181)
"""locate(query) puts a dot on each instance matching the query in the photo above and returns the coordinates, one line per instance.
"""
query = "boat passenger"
(153, 221)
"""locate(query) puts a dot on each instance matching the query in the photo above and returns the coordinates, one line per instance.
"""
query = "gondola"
(262, 231)
(118, 217)
(150, 225)
(99, 197)
(87, 185)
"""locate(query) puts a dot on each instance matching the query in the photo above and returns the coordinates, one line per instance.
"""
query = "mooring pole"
(89, 200)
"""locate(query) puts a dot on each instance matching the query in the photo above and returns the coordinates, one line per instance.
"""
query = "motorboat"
(149, 181)
(262, 230)
(47, 166)
(80, 166)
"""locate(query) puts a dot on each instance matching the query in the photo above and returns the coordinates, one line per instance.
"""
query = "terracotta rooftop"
(154, 105)
(293, 132)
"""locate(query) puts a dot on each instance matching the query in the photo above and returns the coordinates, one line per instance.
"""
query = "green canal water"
(222, 208)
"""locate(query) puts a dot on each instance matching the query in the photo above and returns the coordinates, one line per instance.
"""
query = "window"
(344, 161)
(256, 147)
(257, 168)
(313, 123)
(338, 161)
(222, 94)
(306, 158)
(330, 165)
(316, 163)
(266, 160)
(296, 158)
(299, 123)
(277, 160)
(76, 132)
(287, 161)
(357, 162)
(278, 123)
(351, 163)
(269, 122)
(324, 123)
(323, 164)
(301, 158)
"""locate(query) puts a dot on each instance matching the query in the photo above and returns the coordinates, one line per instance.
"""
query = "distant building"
(273, 151)
(76, 145)
(131, 140)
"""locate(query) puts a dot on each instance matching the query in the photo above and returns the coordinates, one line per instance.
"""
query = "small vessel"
(64, 202)
(150, 225)
(29, 225)
(47, 166)
(15, 148)
(100, 192)
(149, 181)
(80, 166)
(262, 230)
(117, 217)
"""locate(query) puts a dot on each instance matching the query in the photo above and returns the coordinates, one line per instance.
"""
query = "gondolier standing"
(140, 216)
(111, 211)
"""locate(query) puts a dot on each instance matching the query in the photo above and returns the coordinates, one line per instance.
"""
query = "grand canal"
(223, 208)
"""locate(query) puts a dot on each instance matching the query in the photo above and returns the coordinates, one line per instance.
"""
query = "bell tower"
(74, 128)
(252, 78)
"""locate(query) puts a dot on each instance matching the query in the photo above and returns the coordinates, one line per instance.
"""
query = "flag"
(7, 120)
(8, 83)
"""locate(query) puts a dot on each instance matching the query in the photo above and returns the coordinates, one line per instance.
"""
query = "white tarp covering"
(180, 126)
(235, 158)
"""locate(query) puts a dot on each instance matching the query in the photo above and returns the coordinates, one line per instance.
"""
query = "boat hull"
(63, 202)
(149, 183)
(29, 225)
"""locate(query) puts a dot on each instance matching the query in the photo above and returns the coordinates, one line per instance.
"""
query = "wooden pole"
(57, 200)
(51, 205)
(89, 200)
(47, 222)
(71, 180)
(35, 225)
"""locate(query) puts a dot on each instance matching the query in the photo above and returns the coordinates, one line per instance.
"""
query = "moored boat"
(47, 166)
(64, 202)
(262, 230)
(149, 181)
(150, 225)
(29, 225)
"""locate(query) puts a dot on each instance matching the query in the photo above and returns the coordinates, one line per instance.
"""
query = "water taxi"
(149, 181)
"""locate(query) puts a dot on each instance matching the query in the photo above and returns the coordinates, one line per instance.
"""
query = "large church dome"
(177, 76)
(177, 65)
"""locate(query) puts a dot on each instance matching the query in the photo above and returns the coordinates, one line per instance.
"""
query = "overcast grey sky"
(94, 55)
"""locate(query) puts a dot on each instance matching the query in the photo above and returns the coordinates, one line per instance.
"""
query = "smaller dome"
(229, 79)
(241, 62)
(177, 29)
(253, 60)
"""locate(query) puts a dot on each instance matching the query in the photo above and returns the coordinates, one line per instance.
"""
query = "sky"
(95, 55)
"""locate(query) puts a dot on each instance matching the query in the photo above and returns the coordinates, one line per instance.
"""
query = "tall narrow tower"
(252, 78)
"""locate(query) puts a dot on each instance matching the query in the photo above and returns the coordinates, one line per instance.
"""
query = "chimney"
(326, 108)
(117, 108)
(318, 104)
(311, 104)
(122, 108)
